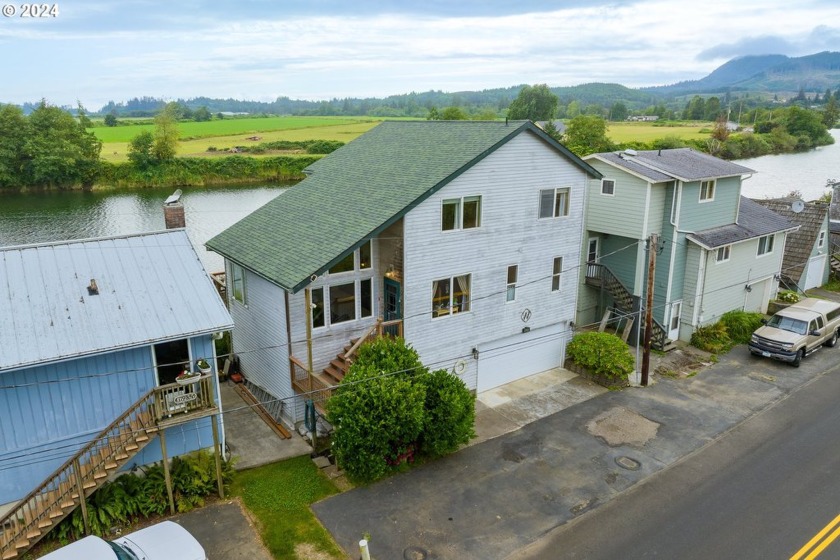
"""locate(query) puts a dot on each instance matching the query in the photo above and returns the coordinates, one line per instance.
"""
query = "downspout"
(584, 245)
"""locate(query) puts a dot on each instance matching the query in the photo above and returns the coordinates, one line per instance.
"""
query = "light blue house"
(462, 237)
(95, 332)
(716, 250)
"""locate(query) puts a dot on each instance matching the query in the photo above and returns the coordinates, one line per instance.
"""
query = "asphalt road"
(763, 490)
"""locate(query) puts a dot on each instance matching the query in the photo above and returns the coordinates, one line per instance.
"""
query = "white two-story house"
(462, 237)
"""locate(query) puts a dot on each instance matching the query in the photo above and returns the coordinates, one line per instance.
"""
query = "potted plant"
(188, 377)
(203, 366)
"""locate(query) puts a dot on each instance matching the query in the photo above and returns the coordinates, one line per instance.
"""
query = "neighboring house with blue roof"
(91, 328)
(463, 237)
(717, 250)
(805, 264)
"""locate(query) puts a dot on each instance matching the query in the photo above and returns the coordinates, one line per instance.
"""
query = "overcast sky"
(94, 51)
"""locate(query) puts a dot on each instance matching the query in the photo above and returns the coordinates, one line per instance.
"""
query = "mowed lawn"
(196, 137)
(647, 132)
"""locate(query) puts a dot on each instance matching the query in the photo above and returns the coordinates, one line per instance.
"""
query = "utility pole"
(653, 242)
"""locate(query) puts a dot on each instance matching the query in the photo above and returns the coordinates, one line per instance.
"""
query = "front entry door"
(592, 253)
(392, 305)
(674, 322)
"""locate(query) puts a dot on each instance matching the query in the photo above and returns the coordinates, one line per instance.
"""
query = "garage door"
(814, 276)
(521, 355)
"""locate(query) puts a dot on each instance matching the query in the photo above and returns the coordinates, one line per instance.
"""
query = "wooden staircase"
(834, 263)
(66, 488)
(599, 275)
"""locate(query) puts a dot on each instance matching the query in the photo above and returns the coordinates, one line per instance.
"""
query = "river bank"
(234, 170)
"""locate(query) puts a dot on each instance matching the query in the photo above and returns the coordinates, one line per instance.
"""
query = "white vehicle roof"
(89, 548)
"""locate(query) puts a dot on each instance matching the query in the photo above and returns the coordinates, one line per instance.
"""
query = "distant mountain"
(772, 73)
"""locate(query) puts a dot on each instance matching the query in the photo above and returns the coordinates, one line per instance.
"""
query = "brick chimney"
(173, 211)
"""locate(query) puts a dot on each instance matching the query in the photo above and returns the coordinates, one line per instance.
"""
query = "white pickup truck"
(798, 330)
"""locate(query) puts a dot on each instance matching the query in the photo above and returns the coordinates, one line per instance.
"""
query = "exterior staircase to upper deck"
(88, 470)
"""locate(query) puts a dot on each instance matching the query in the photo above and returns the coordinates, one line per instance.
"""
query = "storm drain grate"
(627, 463)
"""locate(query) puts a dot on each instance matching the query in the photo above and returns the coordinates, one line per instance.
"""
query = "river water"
(58, 216)
(805, 172)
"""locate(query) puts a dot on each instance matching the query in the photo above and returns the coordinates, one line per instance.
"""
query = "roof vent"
(93, 290)
(630, 152)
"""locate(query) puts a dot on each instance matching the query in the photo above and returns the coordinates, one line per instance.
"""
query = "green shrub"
(740, 325)
(449, 414)
(389, 407)
(133, 496)
(787, 296)
(602, 354)
(377, 418)
(712, 338)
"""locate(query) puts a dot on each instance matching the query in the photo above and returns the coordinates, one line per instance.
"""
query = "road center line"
(817, 538)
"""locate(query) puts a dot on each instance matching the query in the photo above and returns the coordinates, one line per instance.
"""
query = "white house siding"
(696, 215)
(259, 337)
(509, 182)
(622, 214)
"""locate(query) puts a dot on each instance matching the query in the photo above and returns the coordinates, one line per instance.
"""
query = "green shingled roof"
(357, 191)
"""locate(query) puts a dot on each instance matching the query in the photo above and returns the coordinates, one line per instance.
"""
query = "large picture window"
(342, 303)
(554, 203)
(450, 295)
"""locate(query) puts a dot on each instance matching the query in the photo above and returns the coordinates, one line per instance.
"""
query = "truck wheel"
(798, 359)
(832, 341)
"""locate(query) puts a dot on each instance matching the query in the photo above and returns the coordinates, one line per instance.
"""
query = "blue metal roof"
(151, 287)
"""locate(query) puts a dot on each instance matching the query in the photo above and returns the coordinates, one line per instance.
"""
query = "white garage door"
(814, 276)
(521, 355)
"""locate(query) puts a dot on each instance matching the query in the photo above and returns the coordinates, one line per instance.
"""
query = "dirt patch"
(310, 552)
(680, 363)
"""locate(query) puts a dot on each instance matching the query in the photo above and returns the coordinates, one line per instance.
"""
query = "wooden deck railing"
(67, 487)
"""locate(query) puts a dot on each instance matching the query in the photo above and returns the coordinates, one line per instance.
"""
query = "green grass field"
(196, 137)
(646, 132)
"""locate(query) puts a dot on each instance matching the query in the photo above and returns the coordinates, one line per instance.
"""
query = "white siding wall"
(259, 337)
(509, 182)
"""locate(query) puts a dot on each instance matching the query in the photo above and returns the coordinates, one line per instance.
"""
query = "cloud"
(766, 44)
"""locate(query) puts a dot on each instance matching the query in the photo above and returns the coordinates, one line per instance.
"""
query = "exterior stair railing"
(66, 488)
(598, 274)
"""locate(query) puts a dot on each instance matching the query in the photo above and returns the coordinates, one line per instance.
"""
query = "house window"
(707, 191)
(554, 203)
(366, 297)
(512, 274)
(765, 245)
(316, 300)
(821, 240)
(342, 303)
(347, 264)
(607, 187)
(344, 265)
(723, 253)
(555, 274)
(450, 295)
(237, 274)
(364, 256)
(461, 213)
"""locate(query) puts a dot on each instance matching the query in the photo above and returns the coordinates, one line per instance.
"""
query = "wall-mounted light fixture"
(475, 353)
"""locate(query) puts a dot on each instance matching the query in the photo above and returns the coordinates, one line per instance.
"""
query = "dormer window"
(707, 191)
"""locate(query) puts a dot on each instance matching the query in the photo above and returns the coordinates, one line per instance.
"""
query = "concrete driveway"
(492, 499)
(225, 532)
